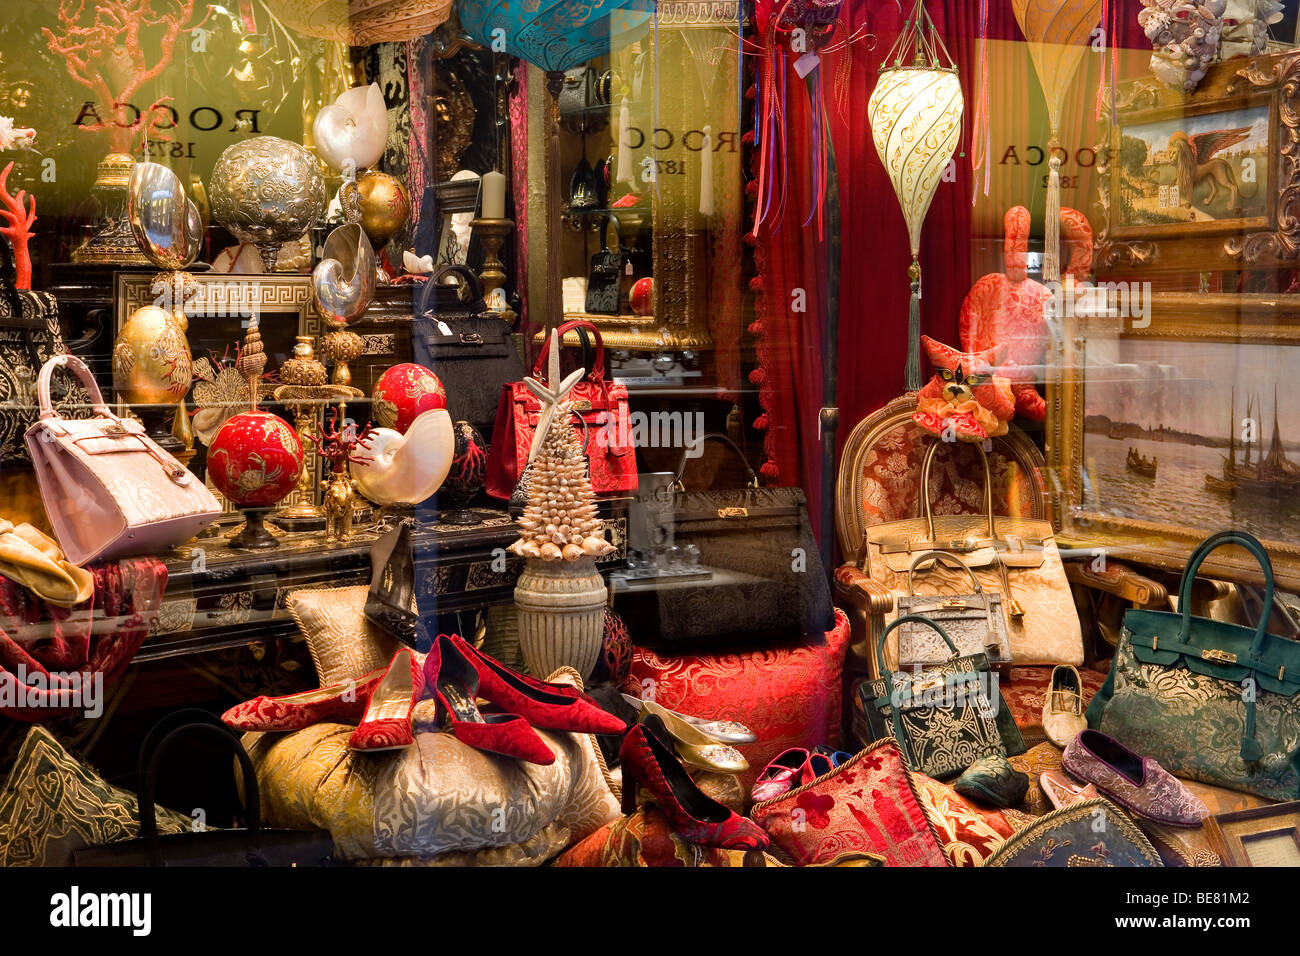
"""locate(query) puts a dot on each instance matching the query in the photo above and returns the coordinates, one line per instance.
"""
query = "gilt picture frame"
(1262, 836)
(1202, 181)
(1164, 430)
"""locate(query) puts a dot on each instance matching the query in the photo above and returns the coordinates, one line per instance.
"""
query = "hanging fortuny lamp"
(1059, 33)
(555, 35)
(915, 113)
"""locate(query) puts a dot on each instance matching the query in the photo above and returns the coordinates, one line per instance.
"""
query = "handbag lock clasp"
(1218, 656)
(733, 512)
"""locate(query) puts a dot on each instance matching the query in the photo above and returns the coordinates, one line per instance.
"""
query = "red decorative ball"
(255, 459)
(642, 296)
(404, 393)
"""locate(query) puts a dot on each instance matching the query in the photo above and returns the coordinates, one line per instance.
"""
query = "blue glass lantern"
(556, 35)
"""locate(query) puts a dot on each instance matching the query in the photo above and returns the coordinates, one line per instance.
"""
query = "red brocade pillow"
(867, 804)
(789, 697)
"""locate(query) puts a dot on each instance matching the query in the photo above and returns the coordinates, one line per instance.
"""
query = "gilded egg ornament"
(255, 459)
(404, 393)
(151, 359)
(267, 191)
(379, 202)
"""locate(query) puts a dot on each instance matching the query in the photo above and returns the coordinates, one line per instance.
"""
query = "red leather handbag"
(603, 406)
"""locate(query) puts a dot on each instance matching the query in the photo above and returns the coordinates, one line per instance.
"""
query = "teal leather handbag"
(944, 718)
(1210, 700)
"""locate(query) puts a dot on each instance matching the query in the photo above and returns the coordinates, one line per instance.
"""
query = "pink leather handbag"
(110, 490)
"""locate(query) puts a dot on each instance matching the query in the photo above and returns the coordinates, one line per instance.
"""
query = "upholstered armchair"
(878, 482)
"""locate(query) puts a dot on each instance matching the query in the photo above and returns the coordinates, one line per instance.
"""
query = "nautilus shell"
(406, 469)
(165, 223)
(350, 133)
(344, 280)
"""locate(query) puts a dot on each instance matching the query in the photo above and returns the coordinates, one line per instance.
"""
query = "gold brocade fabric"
(342, 642)
(52, 806)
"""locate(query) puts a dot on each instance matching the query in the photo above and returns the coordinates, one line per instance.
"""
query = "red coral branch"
(19, 228)
(107, 56)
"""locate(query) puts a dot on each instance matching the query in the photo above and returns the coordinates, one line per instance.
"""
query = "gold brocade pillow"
(342, 642)
(435, 798)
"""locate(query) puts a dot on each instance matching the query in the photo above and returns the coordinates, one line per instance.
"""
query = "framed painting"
(1208, 180)
(1165, 430)
(1264, 836)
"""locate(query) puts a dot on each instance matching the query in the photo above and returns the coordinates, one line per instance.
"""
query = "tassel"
(1251, 751)
(626, 168)
(913, 372)
(1052, 235)
(706, 173)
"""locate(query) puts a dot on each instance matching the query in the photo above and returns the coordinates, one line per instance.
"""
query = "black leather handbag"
(760, 579)
(604, 285)
(254, 846)
(471, 349)
(29, 336)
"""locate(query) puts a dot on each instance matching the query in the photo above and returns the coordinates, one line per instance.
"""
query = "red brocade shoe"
(343, 703)
(648, 759)
(543, 705)
(453, 680)
(387, 721)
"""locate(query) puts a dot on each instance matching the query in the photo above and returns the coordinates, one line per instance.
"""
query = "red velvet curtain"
(960, 242)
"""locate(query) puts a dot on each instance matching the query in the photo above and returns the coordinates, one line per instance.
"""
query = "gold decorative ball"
(151, 359)
(380, 203)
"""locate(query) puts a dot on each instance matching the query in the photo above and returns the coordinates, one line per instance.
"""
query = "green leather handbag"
(1210, 700)
(944, 718)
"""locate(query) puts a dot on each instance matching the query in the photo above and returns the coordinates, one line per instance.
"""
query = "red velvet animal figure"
(966, 400)
(1007, 308)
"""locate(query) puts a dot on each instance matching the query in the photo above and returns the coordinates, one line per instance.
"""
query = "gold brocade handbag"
(1014, 557)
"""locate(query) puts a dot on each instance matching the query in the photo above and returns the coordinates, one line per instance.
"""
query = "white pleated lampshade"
(915, 115)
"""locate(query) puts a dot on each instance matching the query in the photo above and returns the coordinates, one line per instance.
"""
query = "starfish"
(548, 394)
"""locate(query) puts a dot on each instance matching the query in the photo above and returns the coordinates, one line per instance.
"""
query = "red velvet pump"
(387, 721)
(342, 703)
(454, 681)
(544, 705)
(648, 759)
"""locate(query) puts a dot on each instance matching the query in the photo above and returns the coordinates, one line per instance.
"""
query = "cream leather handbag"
(1014, 557)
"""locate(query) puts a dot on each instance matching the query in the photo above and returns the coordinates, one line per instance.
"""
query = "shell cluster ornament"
(1184, 37)
(560, 522)
(267, 191)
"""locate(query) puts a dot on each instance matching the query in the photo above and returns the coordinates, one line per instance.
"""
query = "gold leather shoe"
(693, 746)
(1063, 718)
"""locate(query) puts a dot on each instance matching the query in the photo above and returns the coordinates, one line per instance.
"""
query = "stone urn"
(561, 615)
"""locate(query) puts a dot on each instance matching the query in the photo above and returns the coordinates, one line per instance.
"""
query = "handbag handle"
(905, 619)
(925, 489)
(597, 373)
(1250, 543)
(1251, 750)
(148, 816)
(468, 280)
(940, 557)
(715, 436)
(79, 369)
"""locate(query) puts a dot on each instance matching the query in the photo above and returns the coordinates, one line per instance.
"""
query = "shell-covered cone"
(560, 521)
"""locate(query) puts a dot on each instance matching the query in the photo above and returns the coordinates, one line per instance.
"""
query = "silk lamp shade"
(915, 114)
(555, 35)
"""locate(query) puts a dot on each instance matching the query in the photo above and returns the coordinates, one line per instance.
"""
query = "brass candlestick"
(492, 233)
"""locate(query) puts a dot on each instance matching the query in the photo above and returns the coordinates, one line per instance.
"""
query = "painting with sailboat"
(1195, 433)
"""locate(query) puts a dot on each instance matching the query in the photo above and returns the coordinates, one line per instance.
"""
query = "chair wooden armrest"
(1119, 580)
(866, 602)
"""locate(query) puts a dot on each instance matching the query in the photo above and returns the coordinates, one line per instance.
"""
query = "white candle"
(494, 195)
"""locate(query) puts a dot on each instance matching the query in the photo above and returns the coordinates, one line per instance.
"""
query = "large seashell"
(165, 223)
(343, 282)
(406, 468)
(350, 133)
